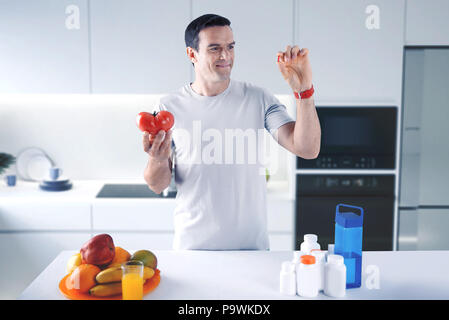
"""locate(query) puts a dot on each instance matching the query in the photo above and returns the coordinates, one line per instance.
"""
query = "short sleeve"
(276, 114)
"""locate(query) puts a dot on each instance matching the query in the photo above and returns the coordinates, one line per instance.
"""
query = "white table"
(205, 275)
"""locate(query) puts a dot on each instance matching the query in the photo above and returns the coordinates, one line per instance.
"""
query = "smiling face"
(215, 56)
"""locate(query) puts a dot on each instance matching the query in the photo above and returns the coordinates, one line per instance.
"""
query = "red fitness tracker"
(304, 94)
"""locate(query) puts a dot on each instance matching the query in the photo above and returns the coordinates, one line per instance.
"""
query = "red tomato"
(155, 122)
(165, 120)
(146, 122)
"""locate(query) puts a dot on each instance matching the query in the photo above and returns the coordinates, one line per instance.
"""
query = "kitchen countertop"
(239, 275)
(87, 190)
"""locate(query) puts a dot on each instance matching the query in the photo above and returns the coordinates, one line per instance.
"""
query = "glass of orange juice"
(132, 280)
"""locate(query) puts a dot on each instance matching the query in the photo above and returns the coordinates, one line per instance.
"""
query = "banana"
(114, 274)
(116, 264)
(105, 290)
(147, 273)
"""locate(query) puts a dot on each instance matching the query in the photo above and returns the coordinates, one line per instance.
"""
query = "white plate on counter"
(38, 167)
(33, 164)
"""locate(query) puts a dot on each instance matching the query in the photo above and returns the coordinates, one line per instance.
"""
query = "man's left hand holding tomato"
(157, 140)
(158, 146)
(157, 133)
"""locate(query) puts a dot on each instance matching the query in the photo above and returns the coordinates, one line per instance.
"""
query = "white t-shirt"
(219, 174)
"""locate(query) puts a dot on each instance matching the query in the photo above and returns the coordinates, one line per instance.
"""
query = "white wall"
(427, 22)
(88, 136)
(39, 53)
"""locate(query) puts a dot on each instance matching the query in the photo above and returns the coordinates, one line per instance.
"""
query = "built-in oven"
(318, 195)
(356, 166)
(355, 138)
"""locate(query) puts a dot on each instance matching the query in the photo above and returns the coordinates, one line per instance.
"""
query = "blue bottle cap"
(349, 219)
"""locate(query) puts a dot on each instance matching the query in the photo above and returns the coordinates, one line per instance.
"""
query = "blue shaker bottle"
(348, 242)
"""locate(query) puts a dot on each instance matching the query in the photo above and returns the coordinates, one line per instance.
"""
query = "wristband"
(305, 94)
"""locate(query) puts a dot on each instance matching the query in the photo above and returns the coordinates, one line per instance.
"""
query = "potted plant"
(5, 161)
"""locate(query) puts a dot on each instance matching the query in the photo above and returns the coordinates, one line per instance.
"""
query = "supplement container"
(335, 276)
(348, 242)
(310, 243)
(297, 256)
(307, 277)
(288, 279)
(320, 258)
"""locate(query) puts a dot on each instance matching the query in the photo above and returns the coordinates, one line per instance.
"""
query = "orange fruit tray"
(148, 286)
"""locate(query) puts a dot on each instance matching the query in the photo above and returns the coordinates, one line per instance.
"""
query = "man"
(221, 204)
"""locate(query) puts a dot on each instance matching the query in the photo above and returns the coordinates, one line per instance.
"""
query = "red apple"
(99, 250)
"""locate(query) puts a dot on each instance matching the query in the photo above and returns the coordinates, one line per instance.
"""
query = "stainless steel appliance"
(355, 138)
(356, 166)
(130, 191)
(424, 178)
(318, 195)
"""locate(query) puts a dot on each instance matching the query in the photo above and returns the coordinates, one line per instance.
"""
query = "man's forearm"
(157, 175)
(307, 133)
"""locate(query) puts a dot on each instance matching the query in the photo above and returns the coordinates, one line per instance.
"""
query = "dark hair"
(207, 20)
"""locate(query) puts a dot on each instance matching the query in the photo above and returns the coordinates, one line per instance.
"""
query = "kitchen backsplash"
(92, 136)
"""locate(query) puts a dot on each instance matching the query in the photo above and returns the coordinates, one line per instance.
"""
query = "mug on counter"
(11, 180)
(55, 173)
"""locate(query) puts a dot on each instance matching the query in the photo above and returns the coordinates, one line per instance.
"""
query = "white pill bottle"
(310, 243)
(307, 277)
(287, 279)
(320, 261)
(335, 276)
(297, 257)
(330, 249)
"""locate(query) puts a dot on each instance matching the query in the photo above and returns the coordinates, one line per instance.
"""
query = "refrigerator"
(424, 172)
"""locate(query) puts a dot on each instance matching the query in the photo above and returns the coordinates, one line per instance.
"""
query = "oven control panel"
(358, 162)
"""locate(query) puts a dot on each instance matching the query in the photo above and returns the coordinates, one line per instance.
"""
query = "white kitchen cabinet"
(135, 224)
(356, 48)
(44, 46)
(42, 214)
(133, 215)
(138, 46)
(280, 224)
(260, 29)
(26, 254)
(280, 215)
(33, 232)
(427, 22)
